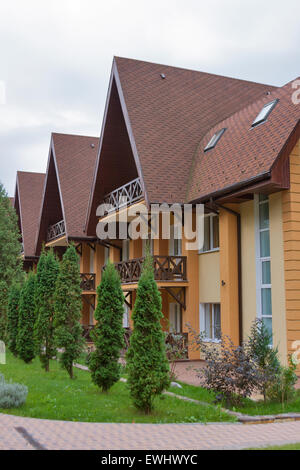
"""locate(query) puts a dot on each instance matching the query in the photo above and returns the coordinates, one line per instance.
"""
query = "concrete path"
(29, 433)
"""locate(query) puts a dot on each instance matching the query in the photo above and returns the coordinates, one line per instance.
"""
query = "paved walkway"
(29, 433)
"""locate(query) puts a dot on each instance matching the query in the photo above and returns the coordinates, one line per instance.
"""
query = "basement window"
(215, 139)
(264, 113)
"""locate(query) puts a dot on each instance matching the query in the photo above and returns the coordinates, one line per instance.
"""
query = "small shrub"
(176, 349)
(281, 389)
(12, 395)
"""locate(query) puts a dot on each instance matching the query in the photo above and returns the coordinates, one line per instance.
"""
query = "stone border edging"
(241, 417)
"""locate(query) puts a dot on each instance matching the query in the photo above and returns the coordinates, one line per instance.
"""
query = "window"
(264, 113)
(214, 140)
(125, 250)
(92, 260)
(175, 244)
(146, 242)
(263, 261)
(210, 321)
(106, 254)
(174, 317)
(126, 316)
(211, 233)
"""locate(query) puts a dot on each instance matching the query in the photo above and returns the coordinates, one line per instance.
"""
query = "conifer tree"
(108, 334)
(68, 305)
(25, 339)
(10, 259)
(13, 316)
(147, 365)
(47, 272)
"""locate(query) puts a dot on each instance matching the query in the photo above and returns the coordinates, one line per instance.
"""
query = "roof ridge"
(75, 135)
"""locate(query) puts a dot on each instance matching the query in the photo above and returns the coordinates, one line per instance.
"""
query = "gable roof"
(68, 180)
(27, 202)
(244, 152)
(166, 118)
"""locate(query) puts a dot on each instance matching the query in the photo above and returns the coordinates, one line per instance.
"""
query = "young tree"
(67, 305)
(108, 334)
(147, 363)
(13, 316)
(25, 340)
(47, 272)
(10, 259)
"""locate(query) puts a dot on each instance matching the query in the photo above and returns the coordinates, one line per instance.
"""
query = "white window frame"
(202, 321)
(125, 321)
(260, 260)
(211, 231)
(172, 243)
(106, 255)
(175, 311)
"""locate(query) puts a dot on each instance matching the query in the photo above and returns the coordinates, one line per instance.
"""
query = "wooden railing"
(124, 195)
(86, 330)
(88, 281)
(166, 268)
(56, 230)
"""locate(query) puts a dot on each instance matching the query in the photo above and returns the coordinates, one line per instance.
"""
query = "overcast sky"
(55, 58)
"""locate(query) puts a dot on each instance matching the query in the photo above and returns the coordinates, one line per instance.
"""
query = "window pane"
(263, 197)
(266, 272)
(264, 244)
(266, 302)
(217, 319)
(206, 245)
(264, 215)
(216, 243)
(208, 322)
(268, 323)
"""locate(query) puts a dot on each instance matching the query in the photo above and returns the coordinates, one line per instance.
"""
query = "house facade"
(174, 136)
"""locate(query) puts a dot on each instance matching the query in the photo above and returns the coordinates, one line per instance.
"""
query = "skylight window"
(214, 140)
(264, 113)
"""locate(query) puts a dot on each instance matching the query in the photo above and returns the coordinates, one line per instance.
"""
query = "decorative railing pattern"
(86, 330)
(56, 230)
(124, 195)
(88, 281)
(166, 268)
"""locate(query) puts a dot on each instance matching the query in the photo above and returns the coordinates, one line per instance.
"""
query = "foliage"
(12, 395)
(13, 316)
(47, 271)
(176, 349)
(108, 334)
(10, 259)
(68, 304)
(265, 356)
(25, 340)
(147, 365)
(281, 389)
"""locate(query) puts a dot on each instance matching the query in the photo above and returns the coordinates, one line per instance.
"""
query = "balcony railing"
(56, 230)
(88, 281)
(86, 330)
(166, 268)
(124, 195)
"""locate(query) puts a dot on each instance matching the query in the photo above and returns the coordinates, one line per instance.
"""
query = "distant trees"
(47, 272)
(147, 365)
(10, 259)
(25, 341)
(108, 334)
(67, 306)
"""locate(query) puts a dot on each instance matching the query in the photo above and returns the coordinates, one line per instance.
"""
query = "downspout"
(238, 224)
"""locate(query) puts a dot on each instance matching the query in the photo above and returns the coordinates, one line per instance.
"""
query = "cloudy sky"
(55, 58)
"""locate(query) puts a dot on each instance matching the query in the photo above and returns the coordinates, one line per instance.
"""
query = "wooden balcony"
(56, 230)
(166, 268)
(88, 281)
(86, 330)
(124, 195)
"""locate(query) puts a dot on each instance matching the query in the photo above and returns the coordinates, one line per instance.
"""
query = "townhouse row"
(176, 136)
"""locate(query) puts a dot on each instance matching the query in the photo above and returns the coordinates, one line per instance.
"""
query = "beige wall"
(277, 275)
(209, 277)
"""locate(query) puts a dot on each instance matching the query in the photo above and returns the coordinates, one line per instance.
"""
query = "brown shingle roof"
(68, 181)
(244, 152)
(170, 116)
(27, 202)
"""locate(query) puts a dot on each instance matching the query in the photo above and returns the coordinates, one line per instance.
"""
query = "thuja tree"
(25, 339)
(13, 316)
(148, 368)
(10, 259)
(68, 304)
(47, 272)
(108, 335)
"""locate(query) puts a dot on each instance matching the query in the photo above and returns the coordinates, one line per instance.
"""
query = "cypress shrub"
(25, 340)
(13, 317)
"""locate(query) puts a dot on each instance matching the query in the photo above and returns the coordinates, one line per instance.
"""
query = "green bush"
(282, 389)
(12, 395)
(13, 317)
(25, 340)
(108, 335)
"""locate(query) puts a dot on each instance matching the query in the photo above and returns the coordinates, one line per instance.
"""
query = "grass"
(53, 395)
(284, 447)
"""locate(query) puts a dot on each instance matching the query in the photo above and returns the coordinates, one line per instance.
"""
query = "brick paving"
(58, 435)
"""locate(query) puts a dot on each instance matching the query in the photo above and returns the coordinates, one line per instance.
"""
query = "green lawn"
(54, 396)
(285, 447)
